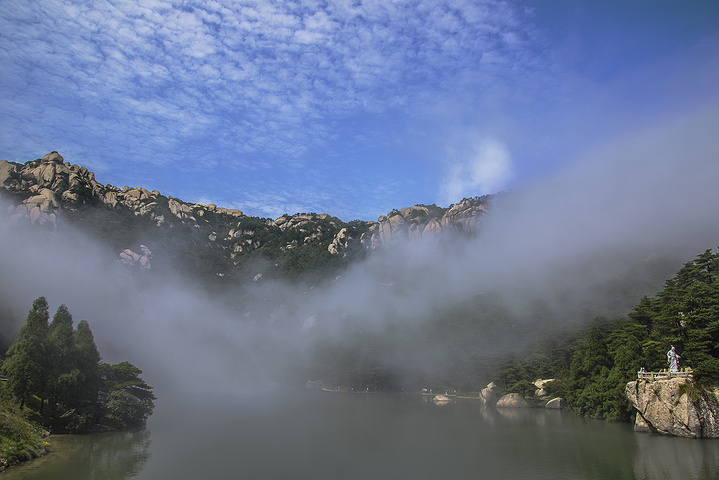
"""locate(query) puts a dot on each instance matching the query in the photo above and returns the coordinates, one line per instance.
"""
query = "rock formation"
(488, 395)
(675, 406)
(50, 191)
(420, 220)
(142, 260)
(539, 384)
(43, 187)
(512, 400)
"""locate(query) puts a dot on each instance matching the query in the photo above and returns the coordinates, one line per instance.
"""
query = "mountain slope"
(158, 231)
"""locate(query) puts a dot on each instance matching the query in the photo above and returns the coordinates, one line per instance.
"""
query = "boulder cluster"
(489, 396)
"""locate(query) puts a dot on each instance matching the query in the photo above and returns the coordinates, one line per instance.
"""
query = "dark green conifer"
(27, 361)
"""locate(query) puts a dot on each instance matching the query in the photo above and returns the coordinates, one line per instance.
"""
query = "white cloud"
(356, 46)
(239, 78)
(477, 166)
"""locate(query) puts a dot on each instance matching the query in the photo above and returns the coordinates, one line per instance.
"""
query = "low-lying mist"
(558, 253)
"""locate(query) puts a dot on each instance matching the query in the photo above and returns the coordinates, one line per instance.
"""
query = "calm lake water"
(320, 435)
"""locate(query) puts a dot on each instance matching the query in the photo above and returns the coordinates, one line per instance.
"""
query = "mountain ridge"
(48, 191)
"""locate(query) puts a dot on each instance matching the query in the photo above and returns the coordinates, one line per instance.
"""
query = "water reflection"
(111, 456)
(668, 458)
(321, 435)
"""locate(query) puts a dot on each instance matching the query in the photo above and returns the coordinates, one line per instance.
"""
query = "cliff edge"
(675, 406)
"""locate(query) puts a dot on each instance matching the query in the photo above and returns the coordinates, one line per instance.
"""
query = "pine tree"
(130, 400)
(27, 360)
(686, 314)
(87, 361)
(62, 374)
(591, 364)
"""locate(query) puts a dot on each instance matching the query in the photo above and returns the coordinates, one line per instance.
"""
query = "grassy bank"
(21, 436)
(20, 439)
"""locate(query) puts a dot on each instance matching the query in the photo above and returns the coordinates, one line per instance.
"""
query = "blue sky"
(348, 107)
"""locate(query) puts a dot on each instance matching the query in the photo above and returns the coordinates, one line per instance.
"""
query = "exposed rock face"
(512, 400)
(539, 385)
(49, 185)
(49, 190)
(142, 259)
(555, 404)
(675, 406)
(420, 220)
(340, 242)
(488, 395)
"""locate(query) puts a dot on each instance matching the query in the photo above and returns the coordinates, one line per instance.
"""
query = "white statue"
(673, 360)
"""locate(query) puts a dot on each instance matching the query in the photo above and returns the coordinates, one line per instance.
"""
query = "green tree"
(87, 362)
(591, 364)
(56, 362)
(129, 400)
(8, 328)
(685, 314)
(625, 349)
(61, 350)
(27, 361)
(514, 375)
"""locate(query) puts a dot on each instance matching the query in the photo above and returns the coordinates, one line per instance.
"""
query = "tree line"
(590, 362)
(598, 364)
(57, 367)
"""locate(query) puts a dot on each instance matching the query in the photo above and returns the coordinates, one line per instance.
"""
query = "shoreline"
(423, 394)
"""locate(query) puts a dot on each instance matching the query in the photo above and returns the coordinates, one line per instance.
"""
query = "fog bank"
(564, 241)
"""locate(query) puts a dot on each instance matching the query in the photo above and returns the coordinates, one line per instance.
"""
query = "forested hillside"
(216, 245)
(593, 368)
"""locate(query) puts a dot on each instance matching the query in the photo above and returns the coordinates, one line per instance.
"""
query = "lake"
(311, 434)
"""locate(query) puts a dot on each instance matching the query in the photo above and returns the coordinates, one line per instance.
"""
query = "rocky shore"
(675, 406)
(490, 397)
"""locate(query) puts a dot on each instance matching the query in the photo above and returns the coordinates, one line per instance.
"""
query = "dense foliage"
(684, 314)
(225, 250)
(20, 439)
(58, 366)
(603, 360)
(480, 340)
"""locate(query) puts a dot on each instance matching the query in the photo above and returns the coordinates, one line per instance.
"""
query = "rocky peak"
(46, 190)
(300, 220)
(43, 188)
(421, 220)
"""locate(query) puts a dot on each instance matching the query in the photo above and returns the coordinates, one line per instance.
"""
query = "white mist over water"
(559, 240)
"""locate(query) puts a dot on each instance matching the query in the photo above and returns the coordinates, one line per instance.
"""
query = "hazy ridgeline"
(584, 243)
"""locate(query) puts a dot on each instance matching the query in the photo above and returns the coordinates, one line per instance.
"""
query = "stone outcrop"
(675, 406)
(539, 384)
(46, 186)
(142, 259)
(340, 242)
(512, 400)
(556, 404)
(418, 221)
(50, 190)
(303, 219)
(488, 395)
